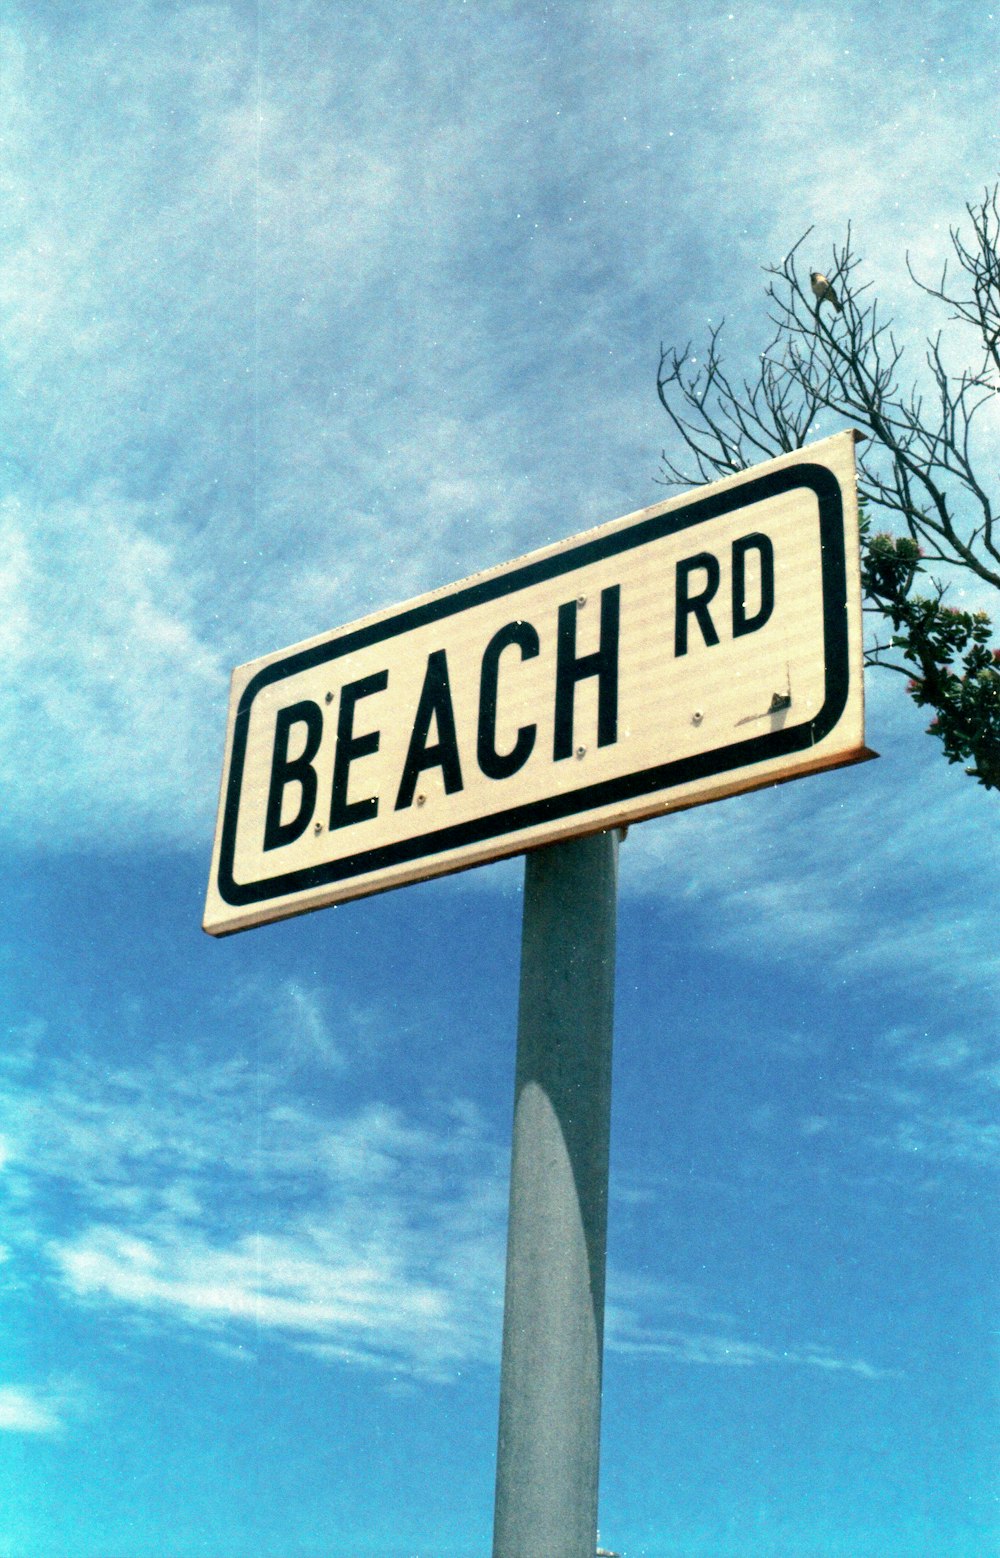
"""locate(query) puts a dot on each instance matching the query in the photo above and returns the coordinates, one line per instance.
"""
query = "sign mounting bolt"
(581, 600)
(329, 697)
(421, 799)
(581, 751)
(317, 827)
(697, 717)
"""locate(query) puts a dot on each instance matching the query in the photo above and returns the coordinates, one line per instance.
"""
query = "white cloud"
(713, 1340)
(393, 321)
(677, 1346)
(931, 1096)
(866, 871)
(37, 1409)
(936, 1135)
(211, 1198)
(105, 682)
(391, 1298)
(303, 1031)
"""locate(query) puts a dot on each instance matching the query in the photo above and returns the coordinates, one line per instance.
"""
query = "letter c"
(494, 764)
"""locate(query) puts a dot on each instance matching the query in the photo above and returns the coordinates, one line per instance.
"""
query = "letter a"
(435, 704)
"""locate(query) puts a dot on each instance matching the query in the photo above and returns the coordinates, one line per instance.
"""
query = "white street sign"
(704, 646)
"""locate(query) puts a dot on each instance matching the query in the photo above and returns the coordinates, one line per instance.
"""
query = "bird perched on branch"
(823, 290)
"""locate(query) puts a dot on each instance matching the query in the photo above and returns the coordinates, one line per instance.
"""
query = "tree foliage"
(920, 469)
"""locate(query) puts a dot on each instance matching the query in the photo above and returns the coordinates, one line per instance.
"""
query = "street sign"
(707, 645)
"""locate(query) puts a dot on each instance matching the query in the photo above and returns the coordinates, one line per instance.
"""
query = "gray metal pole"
(553, 1332)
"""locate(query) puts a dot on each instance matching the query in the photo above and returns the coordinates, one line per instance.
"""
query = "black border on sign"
(738, 754)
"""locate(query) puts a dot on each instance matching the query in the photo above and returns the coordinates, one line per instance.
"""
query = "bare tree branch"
(921, 467)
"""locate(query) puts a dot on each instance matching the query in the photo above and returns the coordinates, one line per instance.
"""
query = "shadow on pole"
(550, 1380)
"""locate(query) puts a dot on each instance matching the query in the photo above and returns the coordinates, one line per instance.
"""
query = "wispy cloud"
(209, 1198)
(679, 1346)
(712, 1340)
(106, 678)
(932, 1097)
(391, 1298)
(39, 1409)
(304, 1031)
(338, 330)
(859, 870)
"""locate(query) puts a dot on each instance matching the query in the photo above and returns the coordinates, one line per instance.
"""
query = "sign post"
(702, 647)
(553, 1331)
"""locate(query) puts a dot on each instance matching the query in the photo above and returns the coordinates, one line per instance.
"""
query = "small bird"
(823, 290)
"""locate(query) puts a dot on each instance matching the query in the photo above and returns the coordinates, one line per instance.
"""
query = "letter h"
(571, 668)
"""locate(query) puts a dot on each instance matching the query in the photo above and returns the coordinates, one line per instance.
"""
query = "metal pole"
(553, 1332)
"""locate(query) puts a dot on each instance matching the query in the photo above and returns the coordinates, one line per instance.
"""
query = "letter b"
(286, 770)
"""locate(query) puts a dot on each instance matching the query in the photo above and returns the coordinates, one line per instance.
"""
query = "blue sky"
(308, 309)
